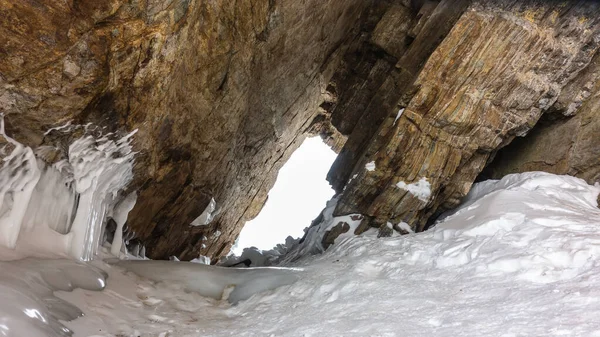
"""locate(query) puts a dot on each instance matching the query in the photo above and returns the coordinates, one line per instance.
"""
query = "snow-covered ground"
(520, 257)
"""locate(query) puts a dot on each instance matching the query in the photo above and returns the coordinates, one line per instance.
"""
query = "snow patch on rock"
(207, 215)
(370, 166)
(400, 112)
(420, 189)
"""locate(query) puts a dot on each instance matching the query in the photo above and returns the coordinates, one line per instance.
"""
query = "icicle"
(60, 210)
(143, 252)
(52, 203)
(99, 173)
(18, 177)
(120, 216)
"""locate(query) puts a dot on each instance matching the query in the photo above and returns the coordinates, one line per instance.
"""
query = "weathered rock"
(221, 92)
(333, 233)
(385, 231)
(363, 226)
(391, 32)
(380, 93)
(567, 145)
(491, 78)
(400, 230)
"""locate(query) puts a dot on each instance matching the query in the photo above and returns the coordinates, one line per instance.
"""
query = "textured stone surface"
(382, 90)
(222, 92)
(391, 32)
(564, 145)
(499, 68)
(333, 233)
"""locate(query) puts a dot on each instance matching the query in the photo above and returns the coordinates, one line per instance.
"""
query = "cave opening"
(299, 194)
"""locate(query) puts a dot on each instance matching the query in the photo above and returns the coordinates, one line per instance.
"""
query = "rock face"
(500, 67)
(223, 92)
(566, 141)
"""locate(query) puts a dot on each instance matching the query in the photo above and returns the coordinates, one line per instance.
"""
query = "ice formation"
(232, 284)
(101, 168)
(18, 178)
(60, 209)
(119, 214)
(201, 259)
(28, 307)
(207, 215)
(55, 211)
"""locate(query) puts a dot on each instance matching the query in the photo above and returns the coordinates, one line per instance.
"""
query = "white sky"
(298, 196)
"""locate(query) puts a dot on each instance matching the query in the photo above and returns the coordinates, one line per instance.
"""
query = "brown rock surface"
(333, 233)
(563, 145)
(499, 68)
(362, 108)
(222, 93)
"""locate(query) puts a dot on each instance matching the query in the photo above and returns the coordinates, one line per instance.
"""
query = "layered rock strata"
(496, 72)
(416, 96)
(221, 92)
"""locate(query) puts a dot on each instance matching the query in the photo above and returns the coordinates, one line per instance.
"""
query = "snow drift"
(59, 209)
(232, 284)
(518, 258)
(547, 226)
